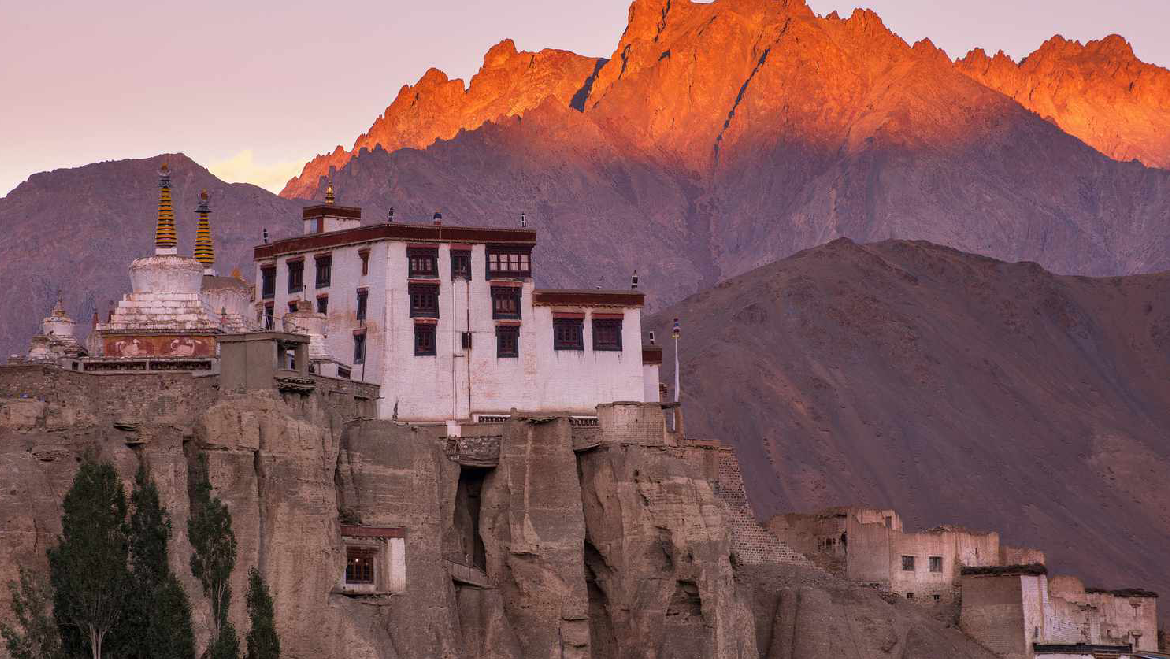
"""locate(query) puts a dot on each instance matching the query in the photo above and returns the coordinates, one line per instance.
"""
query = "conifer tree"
(263, 642)
(226, 644)
(35, 636)
(214, 547)
(158, 616)
(87, 568)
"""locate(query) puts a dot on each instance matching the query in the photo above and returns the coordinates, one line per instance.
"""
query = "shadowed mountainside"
(956, 388)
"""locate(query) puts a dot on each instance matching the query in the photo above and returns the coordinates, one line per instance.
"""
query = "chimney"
(634, 281)
(523, 221)
(652, 338)
(390, 216)
(264, 235)
(438, 219)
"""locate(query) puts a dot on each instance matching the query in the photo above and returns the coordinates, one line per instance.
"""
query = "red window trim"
(569, 314)
(508, 284)
(425, 321)
(360, 330)
(609, 316)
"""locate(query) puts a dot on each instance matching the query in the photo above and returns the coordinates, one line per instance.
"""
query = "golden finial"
(204, 247)
(329, 193)
(165, 239)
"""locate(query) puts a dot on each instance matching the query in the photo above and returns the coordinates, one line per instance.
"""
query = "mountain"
(509, 83)
(953, 387)
(1100, 92)
(722, 136)
(77, 230)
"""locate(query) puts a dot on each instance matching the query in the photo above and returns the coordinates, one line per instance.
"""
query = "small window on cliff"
(936, 563)
(359, 565)
(908, 563)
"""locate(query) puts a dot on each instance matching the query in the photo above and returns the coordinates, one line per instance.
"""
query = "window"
(568, 334)
(361, 304)
(936, 597)
(935, 564)
(507, 341)
(324, 270)
(323, 304)
(292, 305)
(909, 596)
(359, 565)
(424, 301)
(460, 264)
(364, 255)
(465, 340)
(509, 262)
(424, 339)
(908, 563)
(607, 334)
(505, 302)
(296, 276)
(268, 283)
(268, 316)
(423, 262)
(359, 348)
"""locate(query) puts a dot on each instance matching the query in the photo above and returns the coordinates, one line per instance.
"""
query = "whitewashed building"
(447, 321)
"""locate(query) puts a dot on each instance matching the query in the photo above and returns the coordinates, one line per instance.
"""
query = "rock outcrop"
(607, 544)
(1098, 91)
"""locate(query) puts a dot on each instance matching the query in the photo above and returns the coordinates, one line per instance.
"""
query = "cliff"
(531, 539)
(953, 387)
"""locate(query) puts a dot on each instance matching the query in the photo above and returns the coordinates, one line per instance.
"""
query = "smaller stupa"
(56, 340)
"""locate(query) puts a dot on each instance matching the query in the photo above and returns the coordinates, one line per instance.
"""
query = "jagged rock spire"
(204, 247)
(165, 240)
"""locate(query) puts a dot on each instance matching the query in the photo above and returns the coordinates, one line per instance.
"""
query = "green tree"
(35, 636)
(87, 568)
(226, 644)
(263, 642)
(158, 616)
(210, 531)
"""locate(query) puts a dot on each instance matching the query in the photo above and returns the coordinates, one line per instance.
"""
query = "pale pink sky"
(253, 88)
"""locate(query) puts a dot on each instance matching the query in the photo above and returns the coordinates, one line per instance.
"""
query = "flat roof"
(397, 232)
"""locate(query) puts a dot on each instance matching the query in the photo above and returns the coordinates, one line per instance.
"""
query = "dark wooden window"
(936, 563)
(363, 295)
(424, 301)
(323, 304)
(505, 302)
(607, 334)
(908, 563)
(423, 262)
(936, 597)
(465, 340)
(508, 262)
(364, 255)
(460, 264)
(424, 339)
(568, 334)
(359, 348)
(507, 341)
(296, 276)
(292, 305)
(909, 596)
(359, 565)
(267, 283)
(268, 316)
(324, 270)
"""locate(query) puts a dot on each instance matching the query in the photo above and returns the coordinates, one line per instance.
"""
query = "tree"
(210, 531)
(226, 644)
(35, 636)
(87, 568)
(263, 642)
(158, 617)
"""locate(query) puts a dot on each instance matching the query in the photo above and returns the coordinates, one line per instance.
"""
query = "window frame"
(559, 341)
(515, 294)
(418, 255)
(322, 263)
(297, 266)
(359, 347)
(425, 329)
(363, 558)
(323, 304)
(512, 331)
(269, 316)
(463, 258)
(364, 255)
(607, 323)
(268, 282)
(363, 302)
(523, 262)
(932, 561)
(423, 292)
(908, 564)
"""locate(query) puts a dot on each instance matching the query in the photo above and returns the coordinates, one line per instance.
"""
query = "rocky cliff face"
(541, 546)
(955, 388)
(1098, 91)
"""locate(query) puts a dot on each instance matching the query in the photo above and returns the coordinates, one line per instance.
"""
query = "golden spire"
(329, 192)
(204, 247)
(165, 241)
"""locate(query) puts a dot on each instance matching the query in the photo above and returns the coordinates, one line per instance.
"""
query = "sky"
(254, 88)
